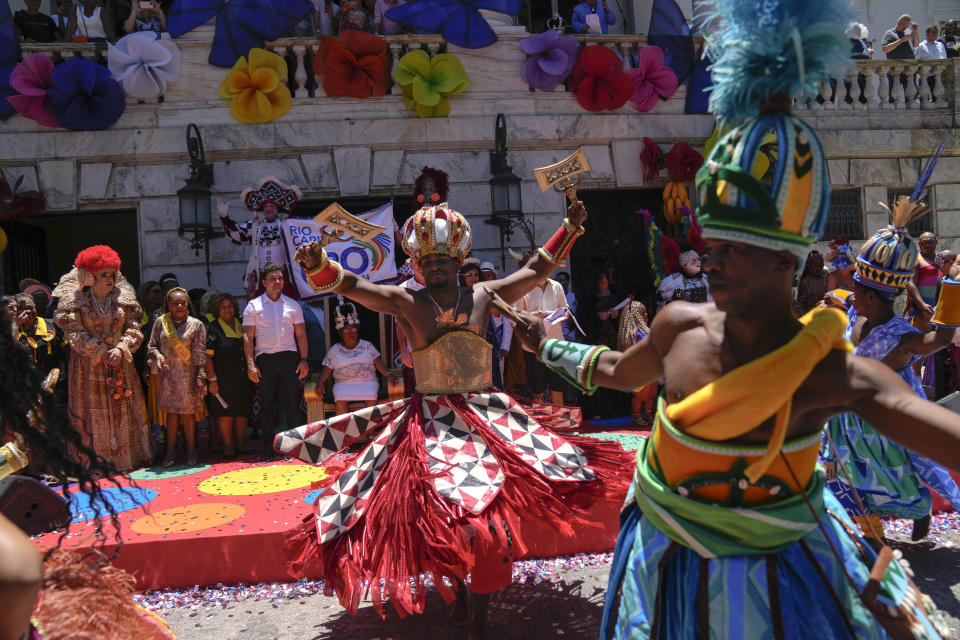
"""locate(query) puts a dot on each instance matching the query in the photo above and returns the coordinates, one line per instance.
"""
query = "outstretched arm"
(641, 364)
(885, 401)
(548, 258)
(324, 274)
(922, 344)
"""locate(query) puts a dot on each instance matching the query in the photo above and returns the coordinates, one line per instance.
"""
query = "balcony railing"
(883, 85)
(872, 86)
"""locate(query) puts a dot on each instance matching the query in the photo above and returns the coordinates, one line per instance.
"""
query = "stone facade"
(342, 148)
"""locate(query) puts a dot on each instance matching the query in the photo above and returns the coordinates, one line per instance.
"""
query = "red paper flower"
(651, 79)
(683, 162)
(16, 204)
(598, 79)
(650, 158)
(356, 66)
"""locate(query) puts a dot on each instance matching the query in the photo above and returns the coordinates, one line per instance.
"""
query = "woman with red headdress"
(99, 314)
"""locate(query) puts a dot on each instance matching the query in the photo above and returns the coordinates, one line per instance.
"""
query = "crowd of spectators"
(88, 21)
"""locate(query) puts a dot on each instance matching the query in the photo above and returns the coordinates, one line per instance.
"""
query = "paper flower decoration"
(6, 91)
(31, 79)
(598, 79)
(356, 66)
(683, 162)
(16, 204)
(84, 96)
(143, 65)
(652, 79)
(552, 56)
(241, 24)
(9, 57)
(427, 82)
(459, 21)
(256, 90)
(651, 158)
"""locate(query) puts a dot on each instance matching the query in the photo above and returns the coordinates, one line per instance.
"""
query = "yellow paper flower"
(256, 90)
(428, 81)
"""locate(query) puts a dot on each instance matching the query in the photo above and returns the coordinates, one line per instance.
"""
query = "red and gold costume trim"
(325, 276)
(558, 247)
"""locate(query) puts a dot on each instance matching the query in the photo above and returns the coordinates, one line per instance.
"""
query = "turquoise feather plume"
(764, 47)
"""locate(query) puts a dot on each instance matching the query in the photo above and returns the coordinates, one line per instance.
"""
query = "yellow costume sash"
(178, 347)
(42, 333)
(231, 332)
(731, 405)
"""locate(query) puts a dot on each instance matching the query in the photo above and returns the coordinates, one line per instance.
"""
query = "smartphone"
(146, 4)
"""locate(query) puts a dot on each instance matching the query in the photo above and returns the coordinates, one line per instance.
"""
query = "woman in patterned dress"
(177, 352)
(100, 317)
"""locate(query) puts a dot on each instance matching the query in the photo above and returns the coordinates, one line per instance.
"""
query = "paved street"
(570, 608)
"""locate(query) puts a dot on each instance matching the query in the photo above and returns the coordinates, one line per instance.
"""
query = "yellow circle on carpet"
(192, 517)
(256, 480)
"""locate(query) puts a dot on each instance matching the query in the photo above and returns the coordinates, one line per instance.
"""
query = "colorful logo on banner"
(372, 260)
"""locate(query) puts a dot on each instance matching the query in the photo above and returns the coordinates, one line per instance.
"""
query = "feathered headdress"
(887, 259)
(768, 52)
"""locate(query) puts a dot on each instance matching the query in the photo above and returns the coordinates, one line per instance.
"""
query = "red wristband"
(558, 247)
(326, 276)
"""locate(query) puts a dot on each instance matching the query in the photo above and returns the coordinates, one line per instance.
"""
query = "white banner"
(373, 260)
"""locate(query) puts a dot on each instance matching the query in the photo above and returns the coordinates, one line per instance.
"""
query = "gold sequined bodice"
(457, 362)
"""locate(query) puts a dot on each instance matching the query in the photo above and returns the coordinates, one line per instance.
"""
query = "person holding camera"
(146, 15)
(899, 43)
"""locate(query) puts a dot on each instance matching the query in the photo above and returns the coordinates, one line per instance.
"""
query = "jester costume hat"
(271, 190)
(766, 54)
(436, 228)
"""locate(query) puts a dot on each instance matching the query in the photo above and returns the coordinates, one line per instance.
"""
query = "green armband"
(572, 361)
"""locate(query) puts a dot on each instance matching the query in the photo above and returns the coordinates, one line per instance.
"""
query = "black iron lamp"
(196, 222)
(505, 196)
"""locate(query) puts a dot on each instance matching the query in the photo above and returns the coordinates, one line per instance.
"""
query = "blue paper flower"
(459, 21)
(241, 24)
(9, 57)
(84, 96)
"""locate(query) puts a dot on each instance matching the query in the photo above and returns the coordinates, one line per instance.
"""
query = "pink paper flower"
(652, 79)
(31, 78)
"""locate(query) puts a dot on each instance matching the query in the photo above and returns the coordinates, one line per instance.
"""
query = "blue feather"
(918, 188)
(761, 48)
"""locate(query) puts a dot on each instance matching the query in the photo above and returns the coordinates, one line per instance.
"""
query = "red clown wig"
(97, 258)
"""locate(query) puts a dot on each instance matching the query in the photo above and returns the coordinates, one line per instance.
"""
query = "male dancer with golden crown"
(453, 471)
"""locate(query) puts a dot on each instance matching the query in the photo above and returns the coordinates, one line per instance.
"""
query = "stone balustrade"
(60, 51)
(879, 85)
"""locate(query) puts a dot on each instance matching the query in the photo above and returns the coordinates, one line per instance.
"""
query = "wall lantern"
(505, 196)
(196, 223)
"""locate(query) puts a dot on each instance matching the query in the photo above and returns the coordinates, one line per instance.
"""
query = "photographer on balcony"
(146, 16)
(899, 43)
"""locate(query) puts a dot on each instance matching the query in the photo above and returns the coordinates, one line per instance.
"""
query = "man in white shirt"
(275, 345)
(929, 49)
(542, 301)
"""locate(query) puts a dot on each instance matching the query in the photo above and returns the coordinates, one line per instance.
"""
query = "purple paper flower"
(31, 78)
(84, 96)
(551, 58)
(652, 78)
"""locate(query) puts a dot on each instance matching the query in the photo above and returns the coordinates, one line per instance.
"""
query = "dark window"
(845, 218)
(921, 224)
